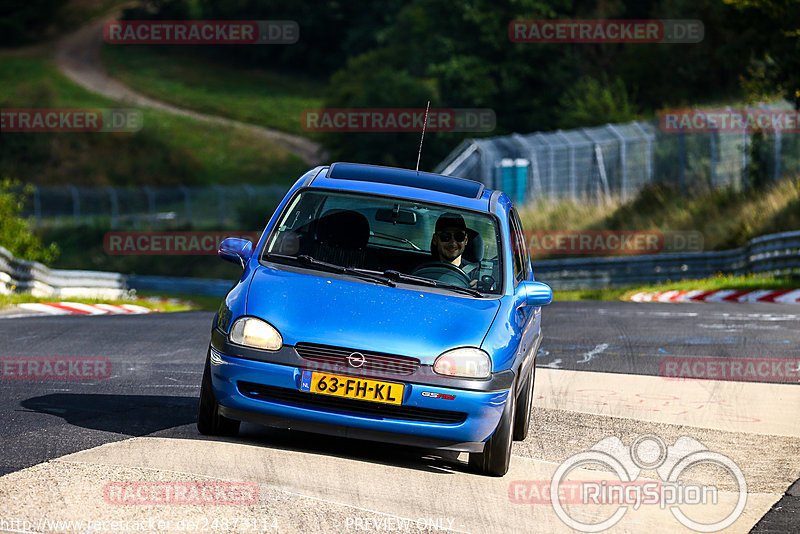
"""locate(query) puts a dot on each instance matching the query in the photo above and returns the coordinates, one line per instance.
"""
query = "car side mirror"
(533, 294)
(235, 250)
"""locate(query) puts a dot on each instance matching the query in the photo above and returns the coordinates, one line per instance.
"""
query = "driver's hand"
(473, 283)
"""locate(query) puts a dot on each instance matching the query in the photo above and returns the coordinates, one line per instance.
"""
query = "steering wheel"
(444, 272)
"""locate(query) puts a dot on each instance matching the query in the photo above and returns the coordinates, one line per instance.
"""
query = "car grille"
(375, 363)
(358, 407)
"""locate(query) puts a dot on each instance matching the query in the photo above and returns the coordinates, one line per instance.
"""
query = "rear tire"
(209, 420)
(496, 453)
(524, 407)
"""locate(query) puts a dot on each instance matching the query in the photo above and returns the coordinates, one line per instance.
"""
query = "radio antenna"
(424, 124)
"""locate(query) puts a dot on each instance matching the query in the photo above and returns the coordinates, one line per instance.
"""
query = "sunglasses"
(445, 237)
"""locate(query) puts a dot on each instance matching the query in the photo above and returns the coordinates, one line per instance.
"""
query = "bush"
(15, 232)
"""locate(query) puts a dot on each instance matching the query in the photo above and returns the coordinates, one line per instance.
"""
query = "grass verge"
(168, 150)
(206, 85)
(726, 218)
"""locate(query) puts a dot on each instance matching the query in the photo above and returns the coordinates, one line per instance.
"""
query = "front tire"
(524, 407)
(496, 453)
(209, 421)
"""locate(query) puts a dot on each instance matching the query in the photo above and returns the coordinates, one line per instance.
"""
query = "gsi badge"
(356, 359)
(437, 395)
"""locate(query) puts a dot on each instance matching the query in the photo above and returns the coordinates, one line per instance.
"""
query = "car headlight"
(465, 362)
(253, 332)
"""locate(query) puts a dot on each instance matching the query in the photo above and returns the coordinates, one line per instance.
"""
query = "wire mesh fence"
(125, 207)
(619, 159)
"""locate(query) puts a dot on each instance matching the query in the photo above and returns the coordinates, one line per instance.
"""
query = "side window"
(526, 259)
(517, 247)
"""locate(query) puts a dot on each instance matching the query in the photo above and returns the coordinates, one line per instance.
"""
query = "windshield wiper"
(397, 275)
(396, 238)
(332, 267)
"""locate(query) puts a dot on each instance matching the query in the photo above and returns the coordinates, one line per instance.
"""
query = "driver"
(449, 241)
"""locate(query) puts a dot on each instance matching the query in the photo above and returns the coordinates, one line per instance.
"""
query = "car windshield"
(389, 240)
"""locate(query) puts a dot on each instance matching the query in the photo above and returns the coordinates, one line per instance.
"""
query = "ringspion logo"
(676, 490)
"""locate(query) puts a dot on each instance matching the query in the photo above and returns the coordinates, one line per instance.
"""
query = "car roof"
(404, 183)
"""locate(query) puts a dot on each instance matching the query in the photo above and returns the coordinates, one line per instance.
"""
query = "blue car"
(381, 304)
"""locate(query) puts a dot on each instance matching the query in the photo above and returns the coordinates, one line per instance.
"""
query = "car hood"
(366, 316)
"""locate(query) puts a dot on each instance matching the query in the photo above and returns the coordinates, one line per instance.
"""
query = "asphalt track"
(598, 372)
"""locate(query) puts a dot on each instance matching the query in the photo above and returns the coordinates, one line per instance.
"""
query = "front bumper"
(268, 393)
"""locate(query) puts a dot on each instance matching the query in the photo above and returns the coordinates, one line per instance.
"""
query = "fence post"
(601, 169)
(572, 179)
(188, 202)
(112, 194)
(714, 156)
(649, 161)
(151, 203)
(744, 159)
(623, 160)
(682, 160)
(76, 203)
(220, 205)
(249, 192)
(777, 166)
(551, 153)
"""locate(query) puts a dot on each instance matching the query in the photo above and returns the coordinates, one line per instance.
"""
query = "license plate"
(352, 388)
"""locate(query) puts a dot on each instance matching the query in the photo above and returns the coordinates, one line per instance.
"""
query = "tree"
(775, 64)
(15, 232)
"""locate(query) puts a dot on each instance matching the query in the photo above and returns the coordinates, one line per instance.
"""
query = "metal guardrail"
(777, 254)
(195, 286)
(21, 276)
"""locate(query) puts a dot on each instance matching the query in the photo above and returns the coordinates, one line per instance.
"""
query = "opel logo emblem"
(356, 359)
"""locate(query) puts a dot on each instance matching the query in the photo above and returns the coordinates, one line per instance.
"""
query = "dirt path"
(78, 57)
